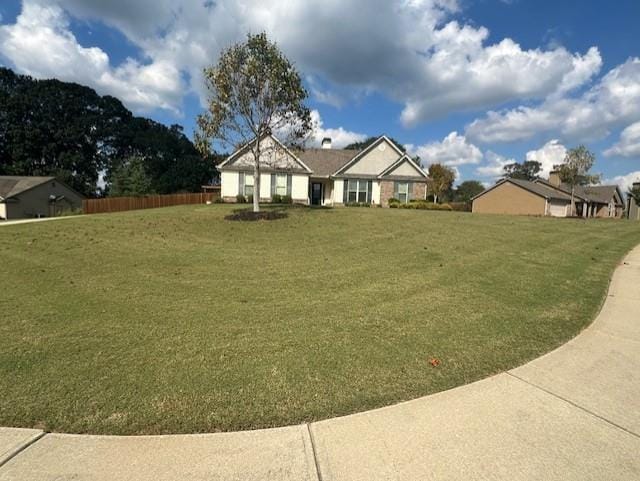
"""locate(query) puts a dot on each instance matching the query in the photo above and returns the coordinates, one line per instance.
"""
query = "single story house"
(549, 198)
(325, 176)
(29, 196)
(633, 211)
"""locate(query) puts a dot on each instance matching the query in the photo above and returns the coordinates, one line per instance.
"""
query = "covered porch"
(320, 191)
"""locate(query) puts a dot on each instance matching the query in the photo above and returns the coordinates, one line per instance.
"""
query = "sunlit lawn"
(176, 320)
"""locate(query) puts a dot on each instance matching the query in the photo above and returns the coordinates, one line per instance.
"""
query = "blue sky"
(471, 83)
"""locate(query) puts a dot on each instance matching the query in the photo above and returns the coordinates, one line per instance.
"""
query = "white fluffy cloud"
(629, 143)
(40, 44)
(624, 181)
(494, 167)
(549, 155)
(454, 150)
(339, 137)
(410, 50)
(613, 102)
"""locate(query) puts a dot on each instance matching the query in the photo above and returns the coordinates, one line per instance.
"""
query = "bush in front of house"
(276, 199)
(423, 205)
(460, 206)
(286, 199)
(241, 199)
(394, 203)
(357, 204)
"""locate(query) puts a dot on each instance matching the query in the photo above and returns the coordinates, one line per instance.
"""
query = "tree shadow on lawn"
(268, 212)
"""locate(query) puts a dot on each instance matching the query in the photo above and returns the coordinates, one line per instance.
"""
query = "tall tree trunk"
(435, 198)
(256, 177)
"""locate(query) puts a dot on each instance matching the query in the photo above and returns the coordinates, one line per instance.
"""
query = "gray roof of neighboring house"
(324, 162)
(592, 193)
(12, 185)
(540, 189)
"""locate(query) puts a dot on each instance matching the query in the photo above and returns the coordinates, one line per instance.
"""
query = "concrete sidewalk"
(573, 414)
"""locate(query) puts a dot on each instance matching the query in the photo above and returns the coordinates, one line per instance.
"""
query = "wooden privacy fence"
(119, 204)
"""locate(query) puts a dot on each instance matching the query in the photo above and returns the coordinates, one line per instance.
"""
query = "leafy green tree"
(131, 179)
(441, 179)
(527, 170)
(48, 127)
(575, 170)
(366, 143)
(467, 190)
(254, 90)
(634, 193)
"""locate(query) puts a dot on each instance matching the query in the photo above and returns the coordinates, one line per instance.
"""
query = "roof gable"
(11, 185)
(275, 155)
(405, 166)
(540, 190)
(373, 160)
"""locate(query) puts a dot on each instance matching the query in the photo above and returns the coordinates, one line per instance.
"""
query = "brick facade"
(419, 191)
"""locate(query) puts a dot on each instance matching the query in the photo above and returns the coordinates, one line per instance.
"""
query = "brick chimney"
(326, 143)
(554, 178)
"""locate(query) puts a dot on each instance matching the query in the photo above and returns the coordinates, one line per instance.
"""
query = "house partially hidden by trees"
(24, 197)
(549, 197)
(324, 176)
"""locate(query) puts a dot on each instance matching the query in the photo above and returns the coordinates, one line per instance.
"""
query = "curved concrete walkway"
(571, 414)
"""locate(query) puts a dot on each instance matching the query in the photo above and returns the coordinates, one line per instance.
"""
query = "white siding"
(405, 169)
(375, 161)
(265, 186)
(300, 188)
(272, 156)
(375, 192)
(3, 211)
(229, 182)
(338, 191)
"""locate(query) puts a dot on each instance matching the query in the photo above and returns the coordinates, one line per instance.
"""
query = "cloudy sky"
(471, 83)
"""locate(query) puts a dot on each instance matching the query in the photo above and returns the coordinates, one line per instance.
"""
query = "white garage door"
(558, 209)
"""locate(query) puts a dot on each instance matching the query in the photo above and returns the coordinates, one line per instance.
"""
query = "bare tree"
(254, 91)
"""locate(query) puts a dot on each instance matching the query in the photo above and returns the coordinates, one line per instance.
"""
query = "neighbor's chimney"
(326, 143)
(554, 178)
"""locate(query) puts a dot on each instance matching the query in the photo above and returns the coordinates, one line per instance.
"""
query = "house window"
(281, 184)
(357, 190)
(248, 185)
(402, 189)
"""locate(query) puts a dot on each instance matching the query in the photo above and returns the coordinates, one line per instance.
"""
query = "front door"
(316, 193)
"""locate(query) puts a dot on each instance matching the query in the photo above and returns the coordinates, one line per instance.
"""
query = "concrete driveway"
(573, 414)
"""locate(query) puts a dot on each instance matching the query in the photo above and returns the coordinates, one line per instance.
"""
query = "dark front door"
(316, 193)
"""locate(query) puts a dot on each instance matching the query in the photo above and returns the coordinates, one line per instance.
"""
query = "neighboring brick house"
(326, 176)
(549, 198)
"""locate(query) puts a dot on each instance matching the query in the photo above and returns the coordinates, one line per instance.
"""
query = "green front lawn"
(175, 320)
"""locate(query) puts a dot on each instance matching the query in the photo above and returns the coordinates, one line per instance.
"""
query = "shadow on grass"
(269, 212)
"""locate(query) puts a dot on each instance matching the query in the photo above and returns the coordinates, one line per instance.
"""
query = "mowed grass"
(175, 320)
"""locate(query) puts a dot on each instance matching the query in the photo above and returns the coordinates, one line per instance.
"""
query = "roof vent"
(326, 143)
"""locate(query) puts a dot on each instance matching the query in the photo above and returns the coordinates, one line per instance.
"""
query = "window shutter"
(369, 189)
(241, 183)
(395, 190)
(289, 179)
(345, 192)
(273, 185)
(410, 190)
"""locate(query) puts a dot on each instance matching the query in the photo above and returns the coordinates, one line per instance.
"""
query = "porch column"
(585, 210)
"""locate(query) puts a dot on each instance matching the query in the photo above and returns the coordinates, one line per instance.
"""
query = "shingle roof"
(540, 189)
(11, 185)
(324, 162)
(591, 193)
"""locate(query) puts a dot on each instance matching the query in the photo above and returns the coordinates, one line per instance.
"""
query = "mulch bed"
(248, 215)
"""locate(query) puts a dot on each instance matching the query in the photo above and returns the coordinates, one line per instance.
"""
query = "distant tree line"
(49, 127)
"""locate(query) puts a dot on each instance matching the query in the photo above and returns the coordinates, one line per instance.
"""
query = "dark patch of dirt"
(248, 215)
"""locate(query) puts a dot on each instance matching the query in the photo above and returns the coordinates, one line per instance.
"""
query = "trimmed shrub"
(424, 205)
(250, 199)
(357, 204)
(241, 199)
(461, 206)
(218, 200)
(276, 199)
(286, 199)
